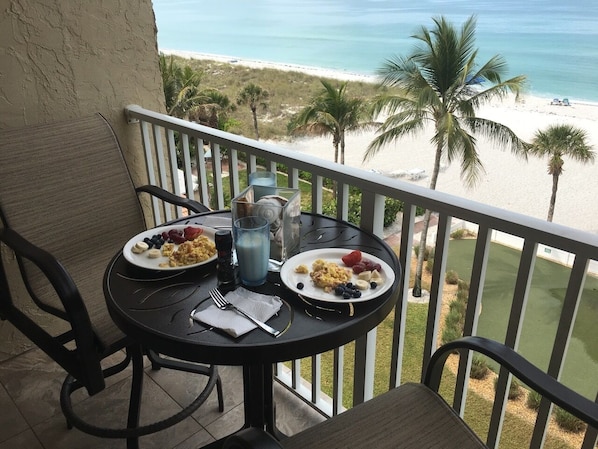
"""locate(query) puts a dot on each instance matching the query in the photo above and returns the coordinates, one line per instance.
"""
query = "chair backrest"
(65, 188)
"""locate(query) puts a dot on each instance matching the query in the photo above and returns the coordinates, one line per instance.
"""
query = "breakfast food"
(182, 246)
(301, 269)
(327, 275)
(344, 281)
(192, 252)
(361, 284)
(154, 253)
(139, 247)
(352, 258)
(168, 249)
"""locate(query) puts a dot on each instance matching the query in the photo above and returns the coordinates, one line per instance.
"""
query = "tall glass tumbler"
(263, 182)
(252, 243)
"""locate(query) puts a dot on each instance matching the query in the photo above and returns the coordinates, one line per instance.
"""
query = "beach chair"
(414, 415)
(566, 102)
(67, 205)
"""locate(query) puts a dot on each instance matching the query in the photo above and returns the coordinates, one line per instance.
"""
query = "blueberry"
(346, 295)
(356, 294)
(339, 290)
(373, 285)
(300, 285)
(349, 285)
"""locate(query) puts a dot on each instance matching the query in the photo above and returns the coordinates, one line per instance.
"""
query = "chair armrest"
(56, 274)
(521, 368)
(85, 364)
(251, 438)
(171, 198)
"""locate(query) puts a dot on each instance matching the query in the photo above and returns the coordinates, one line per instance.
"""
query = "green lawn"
(545, 302)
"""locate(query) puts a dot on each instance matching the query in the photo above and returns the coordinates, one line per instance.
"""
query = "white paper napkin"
(259, 306)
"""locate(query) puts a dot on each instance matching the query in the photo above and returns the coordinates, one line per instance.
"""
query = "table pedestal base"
(258, 401)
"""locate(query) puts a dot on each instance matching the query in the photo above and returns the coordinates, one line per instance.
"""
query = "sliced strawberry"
(192, 233)
(352, 258)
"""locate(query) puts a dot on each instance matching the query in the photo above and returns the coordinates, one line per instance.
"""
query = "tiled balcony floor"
(31, 417)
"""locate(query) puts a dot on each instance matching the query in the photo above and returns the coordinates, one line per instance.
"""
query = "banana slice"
(139, 247)
(365, 275)
(154, 253)
(362, 284)
(377, 277)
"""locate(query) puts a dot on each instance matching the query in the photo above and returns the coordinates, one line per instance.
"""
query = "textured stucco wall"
(61, 59)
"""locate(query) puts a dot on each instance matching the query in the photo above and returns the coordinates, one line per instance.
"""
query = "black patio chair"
(67, 204)
(414, 415)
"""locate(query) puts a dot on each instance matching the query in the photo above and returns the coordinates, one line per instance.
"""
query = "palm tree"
(181, 86)
(442, 84)
(558, 141)
(332, 112)
(210, 108)
(253, 96)
(184, 97)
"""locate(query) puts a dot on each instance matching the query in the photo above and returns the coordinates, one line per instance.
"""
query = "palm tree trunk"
(555, 186)
(335, 143)
(343, 148)
(257, 134)
(417, 292)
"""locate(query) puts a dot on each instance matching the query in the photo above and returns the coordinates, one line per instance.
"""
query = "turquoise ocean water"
(553, 42)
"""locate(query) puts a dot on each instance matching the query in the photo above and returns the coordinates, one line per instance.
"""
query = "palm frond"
(388, 134)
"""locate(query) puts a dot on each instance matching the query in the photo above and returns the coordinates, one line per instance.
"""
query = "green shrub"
(533, 400)
(450, 334)
(463, 286)
(391, 208)
(515, 389)
(451, 277)
(429, 265)
(453, 319)
(462, 233)
(567, 421)
(479, 368)
(458, 307)
(428, 253)
(463, 296)
(458, 234)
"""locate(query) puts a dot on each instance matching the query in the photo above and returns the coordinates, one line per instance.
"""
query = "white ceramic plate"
(141, 260)
(290, 279)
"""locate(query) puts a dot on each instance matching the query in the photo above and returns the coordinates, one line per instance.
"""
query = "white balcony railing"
(533, 237)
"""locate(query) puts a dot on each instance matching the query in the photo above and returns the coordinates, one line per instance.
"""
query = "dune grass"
(289, 91)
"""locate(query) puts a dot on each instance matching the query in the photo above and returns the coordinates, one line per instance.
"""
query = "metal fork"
(222, 303)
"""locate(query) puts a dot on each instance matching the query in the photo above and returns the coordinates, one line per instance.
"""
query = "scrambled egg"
(328, 275)
(301, 269)
(190, 252)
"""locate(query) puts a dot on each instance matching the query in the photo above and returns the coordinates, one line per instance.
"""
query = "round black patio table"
(154, 308)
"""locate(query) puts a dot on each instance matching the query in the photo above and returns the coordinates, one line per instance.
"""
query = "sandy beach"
(509, 182)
